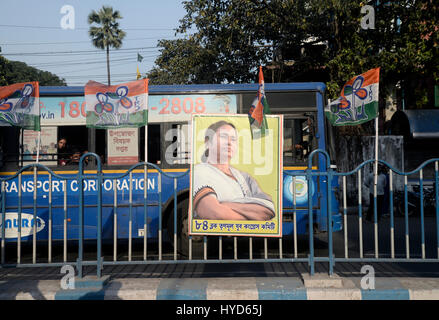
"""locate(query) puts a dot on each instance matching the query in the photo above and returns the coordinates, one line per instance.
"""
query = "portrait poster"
(235, 179)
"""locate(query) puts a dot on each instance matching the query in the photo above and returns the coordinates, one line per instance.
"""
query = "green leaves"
(304, 40)
(108, 33)
(14, 72)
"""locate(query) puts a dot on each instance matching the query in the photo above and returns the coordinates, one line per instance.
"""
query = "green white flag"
(20, 105)
(358, 101)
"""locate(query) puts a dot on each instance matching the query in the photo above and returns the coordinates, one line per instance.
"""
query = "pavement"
(234, 283)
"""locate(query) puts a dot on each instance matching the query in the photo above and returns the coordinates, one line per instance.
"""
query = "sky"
(32, 32)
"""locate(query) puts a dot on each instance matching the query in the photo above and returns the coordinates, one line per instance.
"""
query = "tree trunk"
(108, 64)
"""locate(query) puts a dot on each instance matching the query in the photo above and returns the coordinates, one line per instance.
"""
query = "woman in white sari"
(222, 192)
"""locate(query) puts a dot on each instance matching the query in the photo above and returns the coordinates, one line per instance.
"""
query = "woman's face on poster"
(223, 145)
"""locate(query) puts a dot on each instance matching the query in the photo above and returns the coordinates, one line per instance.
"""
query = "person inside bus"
(222, 192)
(86, 159)
(74, 158)
(63, 154)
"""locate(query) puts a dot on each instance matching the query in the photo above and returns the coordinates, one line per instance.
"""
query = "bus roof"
(206, 88)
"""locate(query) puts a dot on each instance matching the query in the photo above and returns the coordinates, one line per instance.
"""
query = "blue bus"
(51, 209)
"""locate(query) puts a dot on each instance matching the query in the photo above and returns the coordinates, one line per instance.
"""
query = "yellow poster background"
(259, 157)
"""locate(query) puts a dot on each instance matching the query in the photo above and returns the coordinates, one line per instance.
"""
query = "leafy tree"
(182, 61)
(108, 33)
(306, 40)
(15, 71)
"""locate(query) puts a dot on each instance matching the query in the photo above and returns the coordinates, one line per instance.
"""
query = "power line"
(103, 75)
(102, 61)
(72, 42)
(131, 55)
(74, 52)
(94, 68)
(80, 63)
(79, 28)
(86, 61)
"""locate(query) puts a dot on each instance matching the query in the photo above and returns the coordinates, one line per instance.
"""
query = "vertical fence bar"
(220, 248)
(114, 220)
(65, 223)
(360, 215)
(81, 221)
(406, 218)
(145, 212)
(50, 219)
(265, 249)
(375, 215)
(20, 199)
(310, 224)
(345, 219)
(100, 266)
(205, 247)
(280, 248)
(330, 240)
(160, 216)
(392, 222)
(34, 231)
(235, 248)
(436, 179)
(190, 247)
(294, 217)
(130, 222)
(175, 218)
(3, 222)
(250, 248)
(421, 193)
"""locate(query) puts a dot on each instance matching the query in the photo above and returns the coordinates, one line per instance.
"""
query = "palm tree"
(107, 34)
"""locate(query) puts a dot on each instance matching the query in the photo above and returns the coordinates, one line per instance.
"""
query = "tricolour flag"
(20, 105)
(258, 110)
(118, 106)
(358, 101)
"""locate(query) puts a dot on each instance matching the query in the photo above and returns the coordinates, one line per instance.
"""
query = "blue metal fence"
(340, 252)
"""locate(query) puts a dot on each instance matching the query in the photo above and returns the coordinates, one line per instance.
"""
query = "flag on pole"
(139, 57)
(118, 106)
(358, 101)
(258, 110)
(138, 74)
(20, 105)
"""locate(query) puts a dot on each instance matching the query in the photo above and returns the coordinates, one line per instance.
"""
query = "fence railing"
(387, 240)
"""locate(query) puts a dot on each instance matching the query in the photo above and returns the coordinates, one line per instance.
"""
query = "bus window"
(76, 141)
(298, 139)
(10, 149)
(154, 143)
(182, 150)
(178, 144)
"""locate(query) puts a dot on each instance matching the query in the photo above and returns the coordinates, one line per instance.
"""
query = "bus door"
(299, 142)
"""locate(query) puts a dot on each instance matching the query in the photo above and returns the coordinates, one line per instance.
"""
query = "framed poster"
(236, 179)
(123, 146)
(48, 149)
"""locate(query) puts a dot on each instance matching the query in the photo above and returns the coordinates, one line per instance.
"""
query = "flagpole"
(38, 145)
(146, 143)
(376, 156)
